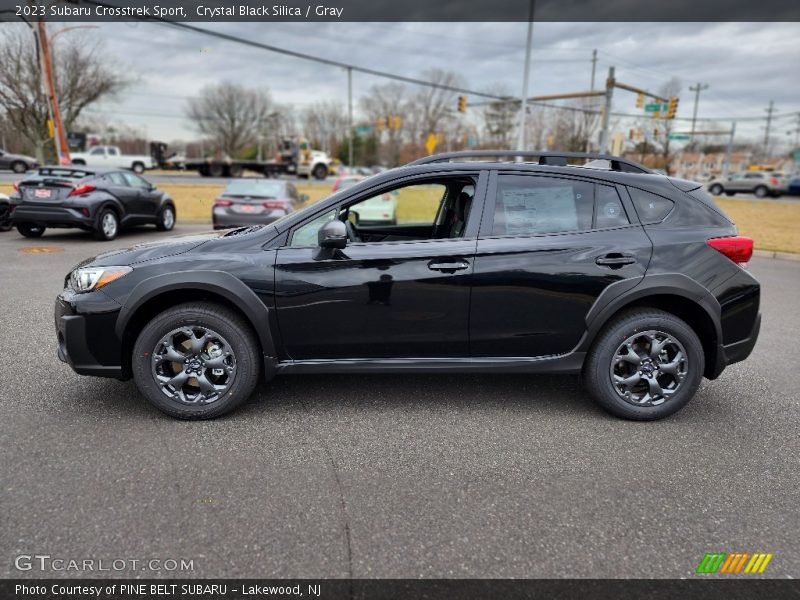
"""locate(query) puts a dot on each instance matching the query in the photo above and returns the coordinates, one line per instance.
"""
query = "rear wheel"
(166, 218)
(196, 361)
(761, 191)
(216, 170)
(30, 231)
(107, 225)
(646, 364)
(138, 168)
(716, 189)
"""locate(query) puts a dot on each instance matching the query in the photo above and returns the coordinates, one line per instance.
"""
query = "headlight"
(87, 279)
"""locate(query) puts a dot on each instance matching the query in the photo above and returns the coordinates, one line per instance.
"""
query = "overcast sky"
(745, 64)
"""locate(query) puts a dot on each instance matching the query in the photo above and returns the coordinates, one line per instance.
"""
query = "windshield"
(254, 187)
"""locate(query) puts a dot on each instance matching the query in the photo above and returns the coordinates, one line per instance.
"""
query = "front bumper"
(51, 216)
(86, 340)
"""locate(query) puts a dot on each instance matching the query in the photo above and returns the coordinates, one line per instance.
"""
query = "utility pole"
(594, 65)
(607, 110)
(726, 167)
(62, 148)
(769, 110)
(350, 116)
(524, 107)
(696, 89)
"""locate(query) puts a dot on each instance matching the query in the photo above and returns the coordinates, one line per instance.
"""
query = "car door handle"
(615, 260)
(448, 266)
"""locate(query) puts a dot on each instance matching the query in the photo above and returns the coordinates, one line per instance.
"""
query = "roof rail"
(545, 158)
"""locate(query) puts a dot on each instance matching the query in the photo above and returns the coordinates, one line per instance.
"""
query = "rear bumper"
(740, 350)
(51, 216)
(223, 219)
(86, 342)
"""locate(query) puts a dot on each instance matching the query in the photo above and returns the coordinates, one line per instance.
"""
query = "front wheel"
(196, 361)
(320, 171)
(138, 168)
(19, 167)
(166, 219)
(761, 191)
(30, 231)
(716, 189)
(645, 365)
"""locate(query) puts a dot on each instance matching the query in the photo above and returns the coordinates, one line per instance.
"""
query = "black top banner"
(209, 11)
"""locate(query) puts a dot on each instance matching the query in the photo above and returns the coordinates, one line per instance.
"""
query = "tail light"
(15, 185)
(82, 189)
(222, 202)
(738, 248)
(274, 204)
(774, 181)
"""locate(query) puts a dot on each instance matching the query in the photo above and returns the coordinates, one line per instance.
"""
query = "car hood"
(151, 250)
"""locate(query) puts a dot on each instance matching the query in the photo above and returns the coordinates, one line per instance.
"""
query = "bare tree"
(575, 125)
(500, 118)
(231, 115)
(434, 105)
(83, 72)
(325, 125)
(382, 102)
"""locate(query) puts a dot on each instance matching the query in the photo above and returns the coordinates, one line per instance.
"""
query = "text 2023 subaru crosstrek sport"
(631, 278)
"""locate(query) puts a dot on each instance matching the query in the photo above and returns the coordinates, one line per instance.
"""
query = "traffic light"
(396, 122)
(640, 101)
(462, 104)
(672, 107)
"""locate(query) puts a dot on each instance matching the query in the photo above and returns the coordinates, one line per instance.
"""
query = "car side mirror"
(304, 197)
(332, 235)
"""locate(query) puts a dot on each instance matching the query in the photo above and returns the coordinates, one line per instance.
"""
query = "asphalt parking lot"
(390, 476)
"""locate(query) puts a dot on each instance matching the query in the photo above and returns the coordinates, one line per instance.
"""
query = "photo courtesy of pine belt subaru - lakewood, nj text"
(633, 279)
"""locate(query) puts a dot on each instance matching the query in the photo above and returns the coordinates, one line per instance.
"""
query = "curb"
(775, 254)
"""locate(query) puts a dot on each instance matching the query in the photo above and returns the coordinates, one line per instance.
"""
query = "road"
(391, 476)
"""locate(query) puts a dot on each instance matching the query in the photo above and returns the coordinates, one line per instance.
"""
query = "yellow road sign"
(431, 142)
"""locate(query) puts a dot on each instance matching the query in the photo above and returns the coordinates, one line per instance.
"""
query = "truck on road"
(111, 156)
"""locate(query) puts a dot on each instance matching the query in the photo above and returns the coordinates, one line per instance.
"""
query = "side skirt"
(564, 363)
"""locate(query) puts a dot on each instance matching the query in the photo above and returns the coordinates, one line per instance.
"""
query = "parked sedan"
(247, 202)
(99, 200)
(760, 183)
(19, 163)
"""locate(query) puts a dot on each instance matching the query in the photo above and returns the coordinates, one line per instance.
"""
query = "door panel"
(375, 300)
(531, 292)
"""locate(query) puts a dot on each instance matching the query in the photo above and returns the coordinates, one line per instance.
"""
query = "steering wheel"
(352, 235)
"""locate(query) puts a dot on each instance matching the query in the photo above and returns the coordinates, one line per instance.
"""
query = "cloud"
(745, 64)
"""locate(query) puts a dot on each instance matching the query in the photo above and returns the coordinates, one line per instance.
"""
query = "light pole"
(696, 89)
(524, 107)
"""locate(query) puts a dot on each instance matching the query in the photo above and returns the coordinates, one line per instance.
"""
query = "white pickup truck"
(110, 156)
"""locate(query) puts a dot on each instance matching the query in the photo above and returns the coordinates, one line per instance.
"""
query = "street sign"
(679, 136)
(656, 107)
(430, 143)
(363, 129)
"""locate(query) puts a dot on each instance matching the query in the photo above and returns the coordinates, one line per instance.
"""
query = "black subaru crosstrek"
(634, 279)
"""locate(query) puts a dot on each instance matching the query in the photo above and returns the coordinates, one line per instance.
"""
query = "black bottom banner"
(429, 589)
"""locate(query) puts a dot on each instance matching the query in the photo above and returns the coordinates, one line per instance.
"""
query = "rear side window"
(651, 208)
(609, 211)
(529, 205)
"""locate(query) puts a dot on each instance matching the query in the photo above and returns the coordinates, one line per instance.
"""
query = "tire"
(228, 332)
(19, 167)
(716, 189)
(235, 171)
(761, 191)
(107, 225)
(166, 218)
(137, 168)
(30, 231)
(729, 193)
(320, 171)
(216, 170)
(636, 326)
